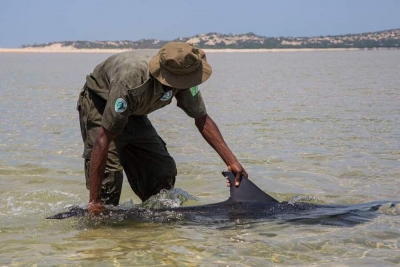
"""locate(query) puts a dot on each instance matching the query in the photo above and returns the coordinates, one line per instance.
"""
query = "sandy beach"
(75, 50)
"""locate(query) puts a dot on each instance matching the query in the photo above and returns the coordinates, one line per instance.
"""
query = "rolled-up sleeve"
(192, 104)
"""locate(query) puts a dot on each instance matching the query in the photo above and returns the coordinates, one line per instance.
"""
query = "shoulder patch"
(120, 105)
(194, 90)
(166, 96)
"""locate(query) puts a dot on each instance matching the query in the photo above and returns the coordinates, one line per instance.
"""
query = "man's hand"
(95, 208)
(238, 170)
(98, 162)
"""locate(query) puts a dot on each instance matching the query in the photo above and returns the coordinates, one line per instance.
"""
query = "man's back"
(129, 67)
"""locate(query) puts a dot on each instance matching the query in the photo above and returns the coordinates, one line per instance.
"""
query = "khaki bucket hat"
(180, 65)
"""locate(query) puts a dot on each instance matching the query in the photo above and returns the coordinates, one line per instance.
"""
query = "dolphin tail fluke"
(247, 191)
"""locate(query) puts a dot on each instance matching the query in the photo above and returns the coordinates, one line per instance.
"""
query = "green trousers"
(138, 150)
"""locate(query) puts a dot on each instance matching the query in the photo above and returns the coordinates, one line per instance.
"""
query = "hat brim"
(168, 78)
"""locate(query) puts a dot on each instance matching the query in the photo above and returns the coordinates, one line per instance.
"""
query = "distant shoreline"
(113, 51)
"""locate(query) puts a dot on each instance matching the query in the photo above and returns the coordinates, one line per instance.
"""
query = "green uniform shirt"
(123, 80)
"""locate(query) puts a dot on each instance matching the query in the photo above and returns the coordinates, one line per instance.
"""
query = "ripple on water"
(323, 124)
(37, 203)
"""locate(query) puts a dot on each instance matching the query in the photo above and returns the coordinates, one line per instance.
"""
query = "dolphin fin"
(247, 191)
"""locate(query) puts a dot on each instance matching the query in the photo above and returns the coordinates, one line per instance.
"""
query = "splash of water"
(145, 211)
(302, 198)
(390, 208)
(168, 199)
(36, 202)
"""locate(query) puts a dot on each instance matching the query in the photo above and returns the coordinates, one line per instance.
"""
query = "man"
(117, 135)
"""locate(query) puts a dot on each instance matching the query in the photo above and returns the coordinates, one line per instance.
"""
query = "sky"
(24, 22)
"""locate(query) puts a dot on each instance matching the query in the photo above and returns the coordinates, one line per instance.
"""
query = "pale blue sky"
(41, 21)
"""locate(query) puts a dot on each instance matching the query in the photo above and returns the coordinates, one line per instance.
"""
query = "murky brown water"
(322, 124)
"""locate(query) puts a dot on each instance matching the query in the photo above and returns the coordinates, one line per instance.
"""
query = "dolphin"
(246, 203)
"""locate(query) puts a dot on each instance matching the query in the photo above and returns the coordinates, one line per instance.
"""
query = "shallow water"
(316, 124)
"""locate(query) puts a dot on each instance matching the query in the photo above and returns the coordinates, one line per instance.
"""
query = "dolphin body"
(246, 203)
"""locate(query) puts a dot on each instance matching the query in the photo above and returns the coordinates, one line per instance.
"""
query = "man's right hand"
(98, 163)
(95, 208)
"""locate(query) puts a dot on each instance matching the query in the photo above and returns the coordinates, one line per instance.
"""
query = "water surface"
(319, 124)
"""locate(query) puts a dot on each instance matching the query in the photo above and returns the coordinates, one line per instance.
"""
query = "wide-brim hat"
(180, 65)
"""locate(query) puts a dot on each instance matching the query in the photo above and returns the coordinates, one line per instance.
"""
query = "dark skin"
(206, 126)
(210, 132)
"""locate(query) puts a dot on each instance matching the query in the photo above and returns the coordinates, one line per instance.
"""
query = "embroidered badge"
(120, 105)
(194, 90)
(166, 96)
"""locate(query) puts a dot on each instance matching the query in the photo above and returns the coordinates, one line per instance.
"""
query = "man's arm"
(209, 130)
(98, 162)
